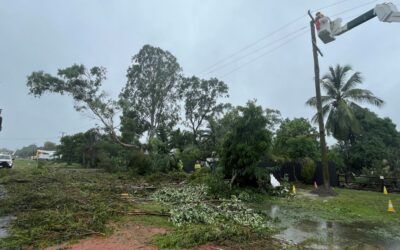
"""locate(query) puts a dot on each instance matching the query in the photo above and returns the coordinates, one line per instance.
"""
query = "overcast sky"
(51, 34)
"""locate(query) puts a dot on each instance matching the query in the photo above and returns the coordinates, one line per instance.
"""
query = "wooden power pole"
(324, 153)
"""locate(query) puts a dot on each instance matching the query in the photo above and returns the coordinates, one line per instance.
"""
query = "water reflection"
(4, 221)
(4, 224)
(321, 234)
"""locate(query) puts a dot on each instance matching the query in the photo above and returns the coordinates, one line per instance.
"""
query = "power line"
(331, 5)
(354, 8)
(270, 51)
(256, 50)
(253, 43)
(267, 36)
(264, 54)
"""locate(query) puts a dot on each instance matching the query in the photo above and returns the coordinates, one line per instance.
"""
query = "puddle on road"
(5, 220)
(4, 225)
(308, 231)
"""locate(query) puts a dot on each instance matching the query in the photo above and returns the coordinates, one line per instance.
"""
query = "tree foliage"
(89, 149)
(48, 145)
(246, 143)
(296, 139)
(377, 141)
(342, 96)
(201, 101)
(149, 99)
(218, 128)
(84, 86)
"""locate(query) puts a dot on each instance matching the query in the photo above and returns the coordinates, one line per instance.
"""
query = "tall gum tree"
(201, 102)
(152, 90)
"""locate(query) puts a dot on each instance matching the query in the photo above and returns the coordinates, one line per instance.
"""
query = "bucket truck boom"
(328, 30)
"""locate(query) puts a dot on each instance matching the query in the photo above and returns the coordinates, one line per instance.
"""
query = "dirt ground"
(130, 237)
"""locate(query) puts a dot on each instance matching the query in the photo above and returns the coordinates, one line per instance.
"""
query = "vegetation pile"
(202, 219)
(190, 205)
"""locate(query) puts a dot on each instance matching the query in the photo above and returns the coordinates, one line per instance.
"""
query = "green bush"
(308, 170)
(246, 144)
(218, 188)
(336, 157)
(139, 163)
(109, 164)
(262, 177)
(160, 162)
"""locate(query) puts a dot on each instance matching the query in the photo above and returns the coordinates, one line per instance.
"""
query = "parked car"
(6, 161)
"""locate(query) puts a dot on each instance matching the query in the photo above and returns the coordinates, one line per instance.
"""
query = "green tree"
(274, 119)
(180, 139)
(27, 151)
(90, 149)
(342, 96)
(48, 145)
(377, 141)
(217, 129)
(296, 139)
(152, 90)
(246, 143)
(84, 86)
(201, 102)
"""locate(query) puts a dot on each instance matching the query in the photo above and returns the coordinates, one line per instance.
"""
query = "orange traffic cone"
(385, 192)
(294, 189)
(390, 207)
(315, 185)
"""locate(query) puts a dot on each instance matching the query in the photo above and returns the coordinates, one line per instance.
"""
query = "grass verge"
(348, 206)
(53, 204)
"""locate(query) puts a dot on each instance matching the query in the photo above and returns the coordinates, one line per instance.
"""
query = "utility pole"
(324, 153)
(1, 120)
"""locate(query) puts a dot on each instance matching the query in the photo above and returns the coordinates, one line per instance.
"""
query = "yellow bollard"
(390, 207)
(294, 190)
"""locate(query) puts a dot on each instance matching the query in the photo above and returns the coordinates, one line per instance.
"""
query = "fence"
(369, 183)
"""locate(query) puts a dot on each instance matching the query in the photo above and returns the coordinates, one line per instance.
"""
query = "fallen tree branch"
(153, 213)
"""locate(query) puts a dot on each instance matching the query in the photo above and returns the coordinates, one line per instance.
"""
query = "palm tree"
(341, 98)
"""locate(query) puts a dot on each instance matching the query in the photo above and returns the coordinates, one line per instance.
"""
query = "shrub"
(246, 144)
(308, 170)
(110, 164)
(218, 188)
(336, 157)
(262, 177)
(139, 163)
(160, 162)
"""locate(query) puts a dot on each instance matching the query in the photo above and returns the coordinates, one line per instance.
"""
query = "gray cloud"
(47, 35)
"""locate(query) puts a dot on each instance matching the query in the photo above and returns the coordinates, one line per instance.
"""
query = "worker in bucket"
(318, 17)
